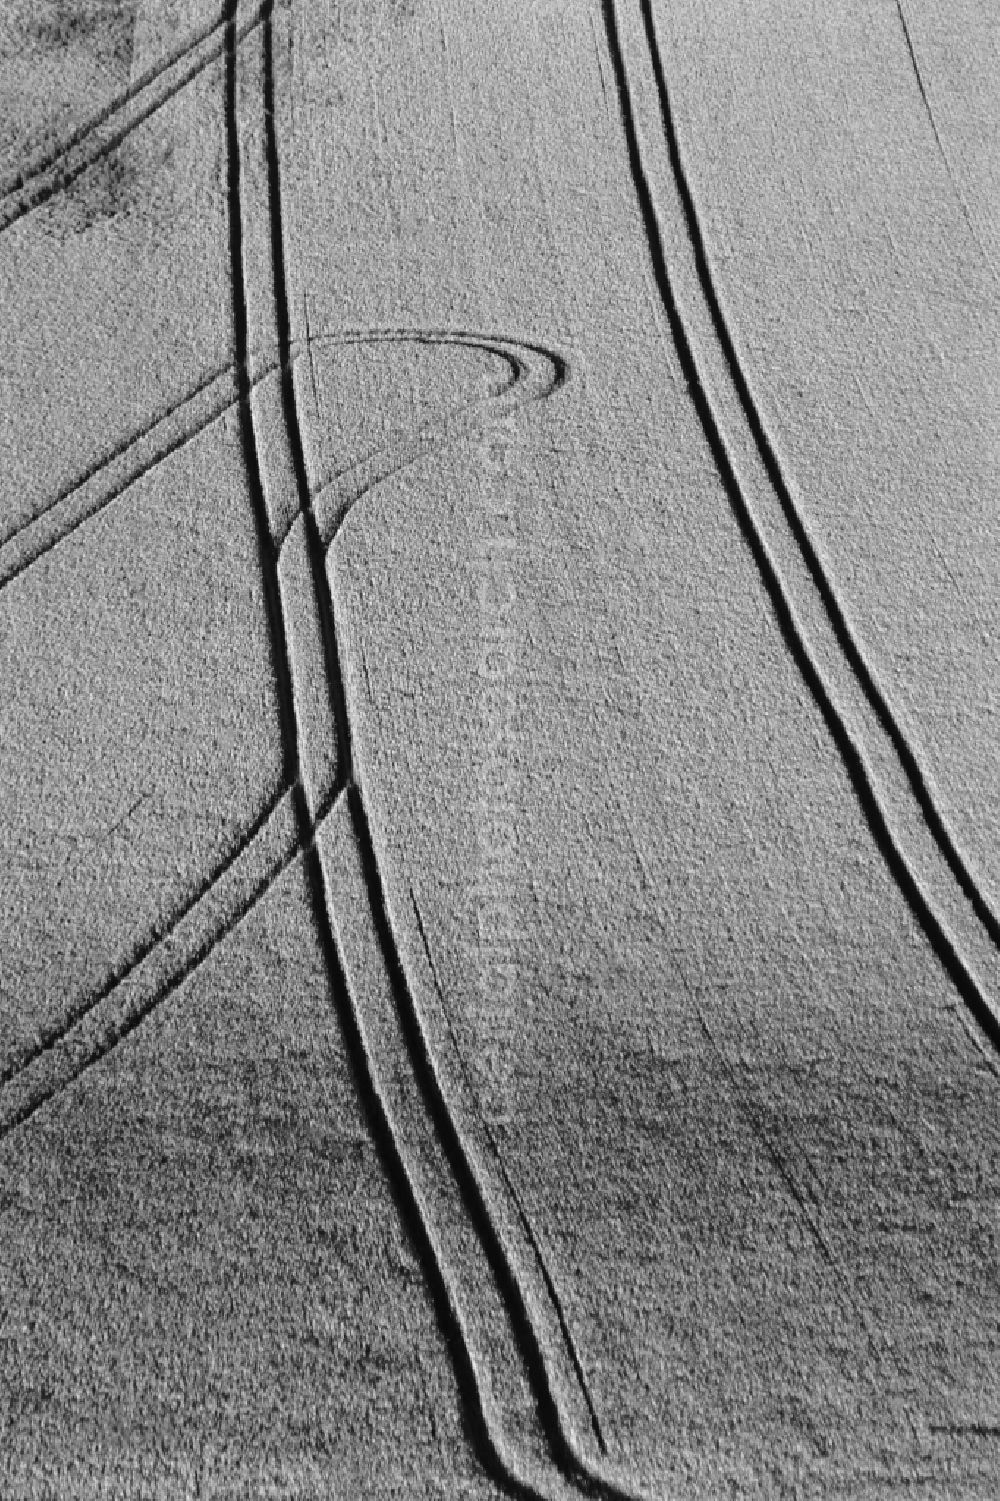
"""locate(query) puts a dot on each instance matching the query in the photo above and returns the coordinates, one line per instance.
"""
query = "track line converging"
(535, 373)
(97, 1024)
(418, 1102)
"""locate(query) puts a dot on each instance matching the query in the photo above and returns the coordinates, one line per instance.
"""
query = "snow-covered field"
(499, 771)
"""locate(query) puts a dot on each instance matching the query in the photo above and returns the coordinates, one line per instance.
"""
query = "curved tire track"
(851, 748)
(848, 642)
(562, 1461)
(389, 1052)
(426, 1102)
(329, 510)
(518, 1270)
(536, 372)
(111, 999)
(133, 991)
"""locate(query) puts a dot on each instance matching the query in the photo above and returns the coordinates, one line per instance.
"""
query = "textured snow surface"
(499, 901)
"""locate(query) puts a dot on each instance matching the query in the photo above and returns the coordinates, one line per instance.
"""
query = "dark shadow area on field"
(207, 1283)
(59, 61)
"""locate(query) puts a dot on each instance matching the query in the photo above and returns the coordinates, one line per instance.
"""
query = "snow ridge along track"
(891, 786)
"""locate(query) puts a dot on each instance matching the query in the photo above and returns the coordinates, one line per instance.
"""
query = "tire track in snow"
(132, 992)
(550, 1460)
(302, 500)
(408, 1055)
(110, 476)
(20, 1096)
(340, 859)
(565, 1333)
(336, 514)
(118, 451)
(38, 182)
(850, 746)
(267, 549)
(534, 374)
(447, 1197)
(904, 24)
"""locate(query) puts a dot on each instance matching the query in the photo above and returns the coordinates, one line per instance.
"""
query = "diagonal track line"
(153, 972)
(85, 147)
(472, 1193)
(40, 163)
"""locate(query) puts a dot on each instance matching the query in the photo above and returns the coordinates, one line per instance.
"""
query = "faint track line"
(937, 137)
(850, 751)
